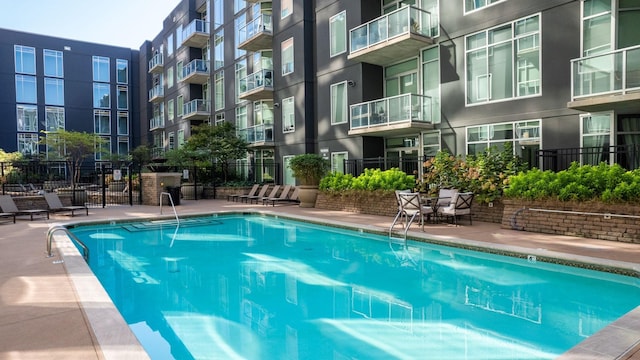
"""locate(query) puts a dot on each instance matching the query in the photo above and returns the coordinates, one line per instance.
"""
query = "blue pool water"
(259, 287)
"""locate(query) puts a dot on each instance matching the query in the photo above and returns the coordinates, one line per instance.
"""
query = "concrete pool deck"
(45, 313)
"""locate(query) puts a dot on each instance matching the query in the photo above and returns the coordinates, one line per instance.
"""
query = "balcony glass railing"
(156, 60)
(257, 133)
(194, 67)
(259, 79)
(195, 106)
(392, 110)
(195, 26)
(157, 122)
(156, 91)
(614, 72)
(407, 19)
(261, 24)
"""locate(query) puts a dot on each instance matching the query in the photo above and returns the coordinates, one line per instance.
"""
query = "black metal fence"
(356, 167)
(627, 156)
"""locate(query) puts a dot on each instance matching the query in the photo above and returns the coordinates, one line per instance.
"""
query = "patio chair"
(252, 192)
(9, 206)
(460, 205)
(411, 207)
(263, 190)
(272, 194)
(283, 195)
(55, 205)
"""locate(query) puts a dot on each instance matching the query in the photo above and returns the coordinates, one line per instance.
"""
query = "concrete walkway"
(45, 313)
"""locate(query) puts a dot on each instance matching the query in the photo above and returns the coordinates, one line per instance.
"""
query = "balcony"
(257, 34)
(196, 34)
(608, 81)
(257, 135)
(195, 72)
(394, 36)
(396, 115)
(196, 109)
(156, 94)
(157, 122)
(256, 86)
(156, 64)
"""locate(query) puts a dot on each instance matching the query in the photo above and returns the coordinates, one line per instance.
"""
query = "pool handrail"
(52, 230)
(172, 205)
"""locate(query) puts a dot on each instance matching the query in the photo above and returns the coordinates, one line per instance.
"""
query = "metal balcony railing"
(392, 110)
(156, 61)
(261, 24)
(157, 122)
(195, 106)
(156, 92)
(258, 79)
(196, 66)
(257, 133)
(616, 72)
(194, 27)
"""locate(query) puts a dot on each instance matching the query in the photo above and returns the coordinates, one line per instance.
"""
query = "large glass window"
(337, 161)
(286, 8)
(123, 98)
(288, 115)
(28, 144)
(54, 91)
(179, 70)
(103, 150)
(238, 5)
(27, 118)
(431, 143)
(102, 122)
(596, 134)
(179, 105)
(218, 91)
(219, 118)
(122, 71)
(241, 118)
(123, 146)
(471, 5)
(519, 134)
(239, 22)
(25, 58)
(339, 103)
(596, 24)
(53, 65)
(26, 89)
(181, 138)
(170, 110)
(431, 83)
(218, 49)
(218, 13)
(101, 96)
(491, 56)
(54, 118)
(101, 69)
(338, 34)
(123, 123)
(241, 74)
(170, 45)
(286, 49)
(170, 78)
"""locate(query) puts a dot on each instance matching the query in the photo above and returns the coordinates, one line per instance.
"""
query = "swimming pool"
(256, 287)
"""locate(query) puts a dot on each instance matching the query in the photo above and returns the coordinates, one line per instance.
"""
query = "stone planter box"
(614, 222)
(361, 202)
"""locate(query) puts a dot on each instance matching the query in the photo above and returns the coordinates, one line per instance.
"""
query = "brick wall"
(491, 213)
(586, 219)
(373, 203)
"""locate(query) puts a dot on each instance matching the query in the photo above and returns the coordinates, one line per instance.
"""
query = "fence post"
(103, 185)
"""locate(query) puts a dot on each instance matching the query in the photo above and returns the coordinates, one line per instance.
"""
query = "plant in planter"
(308, 169)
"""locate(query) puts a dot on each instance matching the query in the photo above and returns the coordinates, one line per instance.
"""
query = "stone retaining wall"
(587, 219)
(373, 203)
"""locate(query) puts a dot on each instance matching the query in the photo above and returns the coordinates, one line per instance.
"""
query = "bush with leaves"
(370, 179)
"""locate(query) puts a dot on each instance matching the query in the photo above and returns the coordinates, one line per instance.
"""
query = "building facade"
(376, 82)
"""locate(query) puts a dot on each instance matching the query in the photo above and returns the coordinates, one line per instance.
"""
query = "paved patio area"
(46, 311)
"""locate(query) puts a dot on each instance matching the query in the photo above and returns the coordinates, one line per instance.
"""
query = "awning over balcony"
(396, 115)
(394, 36)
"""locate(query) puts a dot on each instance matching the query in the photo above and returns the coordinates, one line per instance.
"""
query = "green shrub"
(370, 179)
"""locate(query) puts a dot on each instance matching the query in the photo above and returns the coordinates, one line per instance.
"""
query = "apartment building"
(364, 83)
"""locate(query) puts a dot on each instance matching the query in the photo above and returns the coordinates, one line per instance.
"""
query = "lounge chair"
(246, 198)
(272, 194)
(55, 205)
(283, 195)
(291, 199)
(252, 192)
(9, 206)
(460, 205)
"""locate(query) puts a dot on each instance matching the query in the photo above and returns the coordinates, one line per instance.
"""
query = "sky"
(126, 23)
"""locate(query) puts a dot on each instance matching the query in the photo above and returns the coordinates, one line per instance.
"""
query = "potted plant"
(308, 169)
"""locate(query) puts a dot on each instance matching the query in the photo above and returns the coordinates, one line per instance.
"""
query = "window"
(339, 103)
(431, 83)
(338, 34)
(103, 150)
(241, 75)
(102, 122)
(123, 98)
(179, 70)
(430, 143)
(179, 37)
(180, 138)
(504, 62)
(238, 5)
(519, 134)
(219, 119)
(286, 8)
(28, 144)
(101, 69)
(287, 56)
(122, 71)
(288, 115)
(218, 49)
(172, 140)
(218, 89)
(53, 63)
(53, 91)
(218, 13)
(170, 110)
(25, 58)
(170, 44)
(596, 134)
(170, 77)
(26, 89)
(27, 118)
(596, 25)
(337, 161)
(123, 146)
(241, 118)
(288, 177)
(101, 96)
(471, 5)
(179, 105)
(123, 123)
(54, 118)
(239, 22)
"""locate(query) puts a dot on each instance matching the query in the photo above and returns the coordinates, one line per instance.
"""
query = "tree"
(73, 147)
